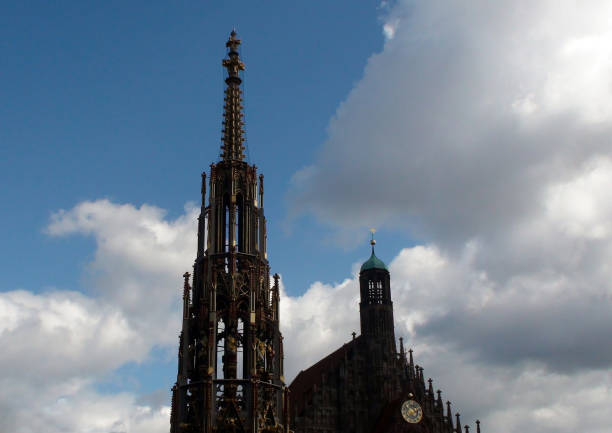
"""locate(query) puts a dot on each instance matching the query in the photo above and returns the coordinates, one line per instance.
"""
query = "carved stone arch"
(225, 222)
(232, 421)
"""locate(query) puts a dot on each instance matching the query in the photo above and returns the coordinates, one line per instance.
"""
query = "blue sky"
(474, 135)
(124, 101)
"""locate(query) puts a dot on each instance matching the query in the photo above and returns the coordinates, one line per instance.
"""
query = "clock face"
(412, 412)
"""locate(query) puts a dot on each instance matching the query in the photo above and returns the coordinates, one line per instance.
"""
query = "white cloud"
(497, 349)
(77, 409)
(139, 258)
(323, 316)
(390, 27)
(64, 335)
(467, 117)
(519, 339)
(484, 128)
(55, 345)
(58, 345)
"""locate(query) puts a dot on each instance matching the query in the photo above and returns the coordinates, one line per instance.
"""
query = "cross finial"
(233, 64)
(372, 240)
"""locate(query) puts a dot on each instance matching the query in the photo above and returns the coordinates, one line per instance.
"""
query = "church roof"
(313, 376)
(373, 263)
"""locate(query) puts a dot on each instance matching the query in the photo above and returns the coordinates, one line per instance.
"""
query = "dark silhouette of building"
(230, 360)
(230, 357)
(366, 386)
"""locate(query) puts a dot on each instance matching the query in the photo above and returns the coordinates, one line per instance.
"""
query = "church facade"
(230, 357)
(367, 386)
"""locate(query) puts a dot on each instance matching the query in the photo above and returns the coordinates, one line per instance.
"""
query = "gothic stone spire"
(233, 123)
(230, 372)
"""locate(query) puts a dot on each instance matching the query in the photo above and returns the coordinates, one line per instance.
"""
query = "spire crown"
(373, 262)
(233, 64)
(233, 123)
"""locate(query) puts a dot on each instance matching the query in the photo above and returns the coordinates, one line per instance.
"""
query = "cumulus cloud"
(55, 345)
(324, 316)
(75, 407)
(139, 257)
(503, 353)
(76, 336)
(503, 349)
(58, 345)
(467, 116)
(483, 128)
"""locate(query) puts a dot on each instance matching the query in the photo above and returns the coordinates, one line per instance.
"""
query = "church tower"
(377, 333)
(366, 386)
(376, 307)
(230, 361)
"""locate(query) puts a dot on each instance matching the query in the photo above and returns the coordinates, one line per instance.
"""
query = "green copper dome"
(373, 263)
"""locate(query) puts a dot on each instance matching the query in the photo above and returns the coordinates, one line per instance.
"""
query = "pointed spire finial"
(372, 240)
(232, 148)
(458, 423)
(477, 426)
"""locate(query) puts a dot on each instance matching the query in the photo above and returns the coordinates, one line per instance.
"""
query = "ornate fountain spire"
(230, 363)
(233, 123)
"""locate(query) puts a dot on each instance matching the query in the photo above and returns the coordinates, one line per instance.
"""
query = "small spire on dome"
(373, 241)
(373, 262)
